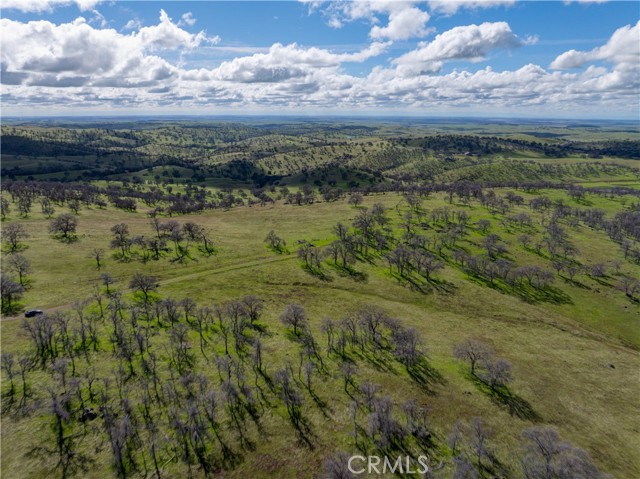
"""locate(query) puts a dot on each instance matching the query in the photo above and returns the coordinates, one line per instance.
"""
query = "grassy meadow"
(574, 353)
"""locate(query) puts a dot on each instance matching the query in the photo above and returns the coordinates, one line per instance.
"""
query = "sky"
(495, 58)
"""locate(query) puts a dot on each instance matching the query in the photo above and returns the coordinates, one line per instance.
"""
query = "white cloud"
(471, 42)
(72, 54)
(449, 7)
(403, 24)
(291, 61)
(622, 49)
(44, 65)
(187, 19)
(99, 18)
(405, 19)
(168, 36)
(132, 24)
(39, 6)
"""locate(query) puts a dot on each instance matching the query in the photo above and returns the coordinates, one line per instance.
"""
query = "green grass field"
(575, 360)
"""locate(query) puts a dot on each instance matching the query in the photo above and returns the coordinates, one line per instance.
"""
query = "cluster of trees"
(168, 236)
(15, 266)
(415, 256)
(305, 196)
(159, 405)
(78, 195)
(542, 454)
(483, 365)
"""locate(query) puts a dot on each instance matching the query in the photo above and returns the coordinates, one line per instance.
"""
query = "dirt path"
(184, 277)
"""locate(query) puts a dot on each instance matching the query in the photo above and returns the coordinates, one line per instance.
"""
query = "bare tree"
(407, 347)
(47, 208)
(525, 240)
(629, 285)
(144, 284)
(480, 435)
(20, 265)
(455, 436)
(12, 234)
(497, 372)
(10, 291)
(8, 366)
(348, 371)
(275, 242)
(369, 391)
(75, 206)
(5, 209)
(64, 226)
(337, 467)
(253, 307)
(97, 254)
(545, 456)
(355, 199)
(474, 351)
(385, 430)
(295, 316)
(107, 281)
(121, 238)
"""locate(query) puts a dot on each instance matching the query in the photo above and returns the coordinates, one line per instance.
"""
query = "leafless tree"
(19, 264)
(144, 284)
(474, 351)
(355, 199)
(10, 291)
(98, 255)
(497, 372)
(64, 226)
(294, 316)
(336, 467)
(13, 234)
(275, 242)
(480, 435)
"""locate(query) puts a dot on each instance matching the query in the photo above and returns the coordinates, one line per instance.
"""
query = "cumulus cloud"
(622, 49)
(168, 36)
(405, 19)
(449, 7)
(470, 42)
(403, 24)
(77, 53)
(290, 61)
(39, 6)
(46, 65)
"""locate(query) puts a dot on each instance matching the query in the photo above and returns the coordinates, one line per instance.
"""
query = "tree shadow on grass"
(67, 239)
(527, 293)
(575, 283)
(442, 285)
(349, 272)
(325, 409)
(425, 375)
(381, 360)
(602, 281)
(412, 283)
(318, 273)
(516, 405)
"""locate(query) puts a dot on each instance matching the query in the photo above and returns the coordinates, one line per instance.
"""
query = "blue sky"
(492, 57)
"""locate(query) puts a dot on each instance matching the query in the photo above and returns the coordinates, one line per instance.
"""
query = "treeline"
(488, 145)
